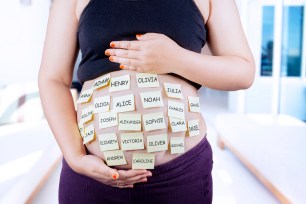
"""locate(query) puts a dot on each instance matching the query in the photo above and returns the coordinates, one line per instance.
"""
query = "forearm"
(60, 113)
(215, 72)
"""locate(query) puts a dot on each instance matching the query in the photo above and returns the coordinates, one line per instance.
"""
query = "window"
(267, 41)
(292, 40)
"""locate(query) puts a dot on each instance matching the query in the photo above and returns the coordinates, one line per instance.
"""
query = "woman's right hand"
(94, 167)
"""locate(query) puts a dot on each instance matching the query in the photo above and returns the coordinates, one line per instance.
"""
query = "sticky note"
(89, 134)
(81, 129)
(177, 125)
(156, 143)
(101, 104)
(193, 128)
(119, 83)
(101, 82)
(151, 99)
(173, 90)
(124, 103)
(143, 161)
(147, 80)
(194, 104)
(108, 142)
(85, 96)
(114, 158)
(176, 109)
(132, 141)
(129, 121)
(153, 121)
(177, 145)
(107, 119)
(87, 114)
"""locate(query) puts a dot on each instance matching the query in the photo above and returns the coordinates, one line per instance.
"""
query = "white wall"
(21, 39)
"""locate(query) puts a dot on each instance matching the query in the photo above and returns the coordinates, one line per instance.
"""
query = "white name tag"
(120, 83)
(143, 161)
(157, 143)
(193, 128)
(147, 80)
(108, 142)
(114, 158)
(101, 82)
(173, 90)
(124, 103)
(154, 121)
(194, 104)
(177, 145)
(130, 122)
(86, 114)
(151, 99)
(81, 129)
(132, 141)
(101, 104)
(176, 109)
(107, 119)
(177, 125)
(89, 134)
(85, 96)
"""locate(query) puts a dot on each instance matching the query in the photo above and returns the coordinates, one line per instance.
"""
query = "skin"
(231, 67)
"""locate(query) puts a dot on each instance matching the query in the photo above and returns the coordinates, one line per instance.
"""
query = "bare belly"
(160, 156)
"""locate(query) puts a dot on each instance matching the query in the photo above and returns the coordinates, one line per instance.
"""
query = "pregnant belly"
(128, 124)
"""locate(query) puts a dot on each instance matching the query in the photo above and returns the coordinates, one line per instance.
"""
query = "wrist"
(180, 61)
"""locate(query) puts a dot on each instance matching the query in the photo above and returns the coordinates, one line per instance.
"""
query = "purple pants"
(185, 179)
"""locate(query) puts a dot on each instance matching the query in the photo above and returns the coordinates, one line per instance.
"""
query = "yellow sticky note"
(124, 103)
(81, 129)
(173, 90)
(89, 134)
(114, 158)
(176, 109)
(129, 122)
(143, 161)
(101, 82)
(101, 104)
(154, 121)
(108, 119)
(132, 141)
(177, 125)
(108, 142)
(119, 83)
(85, 96)
(194, 104)
(147, 80)
(177, 145)
(87, 114)
(151, 99)
(193, 128)
(157, 143)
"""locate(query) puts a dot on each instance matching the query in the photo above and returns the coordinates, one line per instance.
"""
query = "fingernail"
(107, 52)
(112, 44)
(115, 176)
(111, 58)
(121, 66)
(138, 35)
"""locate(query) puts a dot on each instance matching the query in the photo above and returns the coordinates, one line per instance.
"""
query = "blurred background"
(257, 135)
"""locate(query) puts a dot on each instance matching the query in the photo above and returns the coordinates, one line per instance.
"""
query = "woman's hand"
(151, 53)
(92, 166)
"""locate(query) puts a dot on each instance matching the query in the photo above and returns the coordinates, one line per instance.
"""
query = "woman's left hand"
(150, 53)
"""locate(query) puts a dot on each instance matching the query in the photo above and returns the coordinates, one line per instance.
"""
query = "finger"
(126, 61)
(130, 45)
(123, 186)
(132, 68)
(107, 172)
(133, 54)
(125, 174)
(148, 36)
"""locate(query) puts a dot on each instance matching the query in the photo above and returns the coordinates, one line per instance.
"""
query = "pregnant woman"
(138, 135)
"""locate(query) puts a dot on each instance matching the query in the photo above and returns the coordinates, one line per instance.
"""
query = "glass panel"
(267, 41)
(292, 41)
